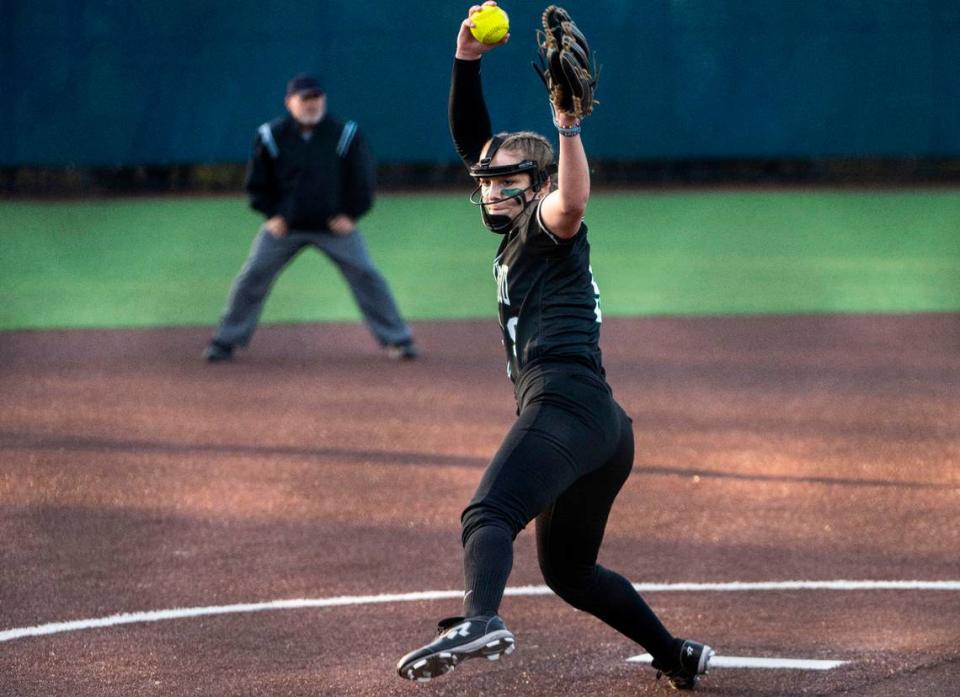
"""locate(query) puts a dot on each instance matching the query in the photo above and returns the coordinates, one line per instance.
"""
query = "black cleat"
(692, 660)
(460, 638)
(403, 352)
(217, 352)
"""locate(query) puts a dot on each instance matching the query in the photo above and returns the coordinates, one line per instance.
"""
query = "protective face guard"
(482, 170)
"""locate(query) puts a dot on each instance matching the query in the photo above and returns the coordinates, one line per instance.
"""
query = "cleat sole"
(428, 667)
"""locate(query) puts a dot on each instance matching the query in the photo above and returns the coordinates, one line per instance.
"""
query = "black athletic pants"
(563, 462)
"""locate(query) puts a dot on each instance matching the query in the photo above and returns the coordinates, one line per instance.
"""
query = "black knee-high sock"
(487, 562)
(614, 600)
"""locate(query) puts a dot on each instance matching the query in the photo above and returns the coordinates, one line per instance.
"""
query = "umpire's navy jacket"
(310, 181)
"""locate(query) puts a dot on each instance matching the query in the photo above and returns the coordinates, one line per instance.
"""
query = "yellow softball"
(491, 24)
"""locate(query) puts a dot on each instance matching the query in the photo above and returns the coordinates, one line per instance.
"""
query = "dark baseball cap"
(304, 82)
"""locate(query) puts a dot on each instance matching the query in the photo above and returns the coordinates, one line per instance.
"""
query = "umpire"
(312, 176)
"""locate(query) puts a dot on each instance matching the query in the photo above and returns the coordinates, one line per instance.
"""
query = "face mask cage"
(483, 170)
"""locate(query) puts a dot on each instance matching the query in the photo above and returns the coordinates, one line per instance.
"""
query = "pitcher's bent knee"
(574, 586)
(482, 514)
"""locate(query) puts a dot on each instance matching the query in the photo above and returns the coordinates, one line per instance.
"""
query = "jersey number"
(596, 297)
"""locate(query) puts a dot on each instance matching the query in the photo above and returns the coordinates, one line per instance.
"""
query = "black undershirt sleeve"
(469, 121)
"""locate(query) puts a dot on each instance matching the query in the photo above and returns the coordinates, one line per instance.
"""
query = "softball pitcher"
(571, 448)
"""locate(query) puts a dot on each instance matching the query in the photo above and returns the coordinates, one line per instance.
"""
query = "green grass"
(136, 262)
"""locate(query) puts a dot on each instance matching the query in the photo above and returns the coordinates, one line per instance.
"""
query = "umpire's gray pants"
(268, 256)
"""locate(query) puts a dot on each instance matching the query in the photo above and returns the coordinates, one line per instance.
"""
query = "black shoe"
(217, 352)
(403, 352)
(459, 640)
(690, 662)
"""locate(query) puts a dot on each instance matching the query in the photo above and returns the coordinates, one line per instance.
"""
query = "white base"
(751, 662)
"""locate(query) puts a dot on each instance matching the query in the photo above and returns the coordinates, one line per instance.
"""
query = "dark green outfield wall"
(114, 82)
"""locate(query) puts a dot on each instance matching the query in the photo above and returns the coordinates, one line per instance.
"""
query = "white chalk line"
(346, 600)
(719, 661)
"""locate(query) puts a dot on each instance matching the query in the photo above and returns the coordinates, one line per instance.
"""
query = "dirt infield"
(134, 477)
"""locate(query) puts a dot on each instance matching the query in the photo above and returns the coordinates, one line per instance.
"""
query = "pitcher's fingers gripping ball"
(491, 24)
(565, 65)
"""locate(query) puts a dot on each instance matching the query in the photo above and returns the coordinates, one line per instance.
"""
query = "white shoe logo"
(460, 630)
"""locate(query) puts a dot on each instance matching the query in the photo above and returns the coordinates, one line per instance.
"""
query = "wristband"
(568, 131)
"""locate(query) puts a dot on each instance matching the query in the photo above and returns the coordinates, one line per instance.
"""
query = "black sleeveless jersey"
(548, 301)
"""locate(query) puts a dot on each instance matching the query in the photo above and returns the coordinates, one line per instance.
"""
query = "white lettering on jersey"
(512, 332)
(503, 291)
(596, 296)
